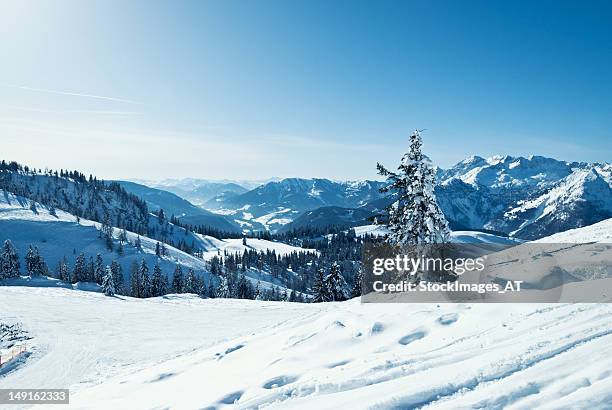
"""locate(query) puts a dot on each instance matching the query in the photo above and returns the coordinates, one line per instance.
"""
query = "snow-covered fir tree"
(91, 270)
(117, 277)
(79, 272)
(257, 291)
(63, 270)
(177, 280)
(158, 282)
(319, 290)
(223, 290)
(335, 284)
(108, 283)
(191, 283)
(357, 286)
(135, 279)
(34, 263)
(99, 270)
(144, 280)
(414, 217)
(9, 261)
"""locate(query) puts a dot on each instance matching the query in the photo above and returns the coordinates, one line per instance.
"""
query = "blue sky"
(256, 89)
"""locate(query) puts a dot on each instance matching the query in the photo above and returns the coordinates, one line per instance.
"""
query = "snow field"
(349, 355)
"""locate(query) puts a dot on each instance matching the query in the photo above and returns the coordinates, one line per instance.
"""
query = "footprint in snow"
(233, 348)
(377, 327)
(411, 337)
(228, 351)
(448, 319)
(279, 381)
(162, 376)
(338, 364)
(231, 398)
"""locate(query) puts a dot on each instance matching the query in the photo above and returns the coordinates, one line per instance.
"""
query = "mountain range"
(525, 197)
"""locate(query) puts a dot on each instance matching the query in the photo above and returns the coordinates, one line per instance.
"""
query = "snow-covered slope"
(248, 354)
(182, 209)
(61, 235)
(599, 232)
(325, 356)
(468, 237)
(220, 246)
(83, 338)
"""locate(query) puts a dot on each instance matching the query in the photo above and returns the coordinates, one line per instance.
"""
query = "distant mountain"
(199, 191)
(184, 210)
(525, 197)
(278, 203)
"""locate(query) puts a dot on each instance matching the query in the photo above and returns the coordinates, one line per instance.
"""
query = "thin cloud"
(47, 111)
(73, 94)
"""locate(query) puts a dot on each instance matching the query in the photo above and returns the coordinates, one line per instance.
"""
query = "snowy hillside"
(599, 232)
(327, 356)
(251, 354)
(216, 246)
(82, 338)
(182, 209)
(60, 235)
(72, 192)
(467, 237)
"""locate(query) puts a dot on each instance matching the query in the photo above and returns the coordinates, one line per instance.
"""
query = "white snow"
(475, 237)
(472, 237)
(375, 230)
(183, 352)
(325, 356)
(599, 232)
(82, 338)
(217, 247)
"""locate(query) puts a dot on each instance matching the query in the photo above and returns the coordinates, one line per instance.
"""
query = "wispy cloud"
(97, 112)
(73, 94)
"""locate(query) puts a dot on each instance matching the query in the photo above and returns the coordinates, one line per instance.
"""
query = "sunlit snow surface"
(187, 353)
(184, 352)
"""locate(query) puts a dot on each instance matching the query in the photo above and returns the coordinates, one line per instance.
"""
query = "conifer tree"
(34, 262)
(158, 285)
(91, 270)
(99, 270)
(135, 279)
(319, 290)
(191, 283)
(177, 280)
(9, 261)
(79, 272)
(108, 284)
(357, 285)
(144, 280)
(414, 218)
(223, 290)
(117, 277)
(63, 271)
(335, 284)
(257, 292)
